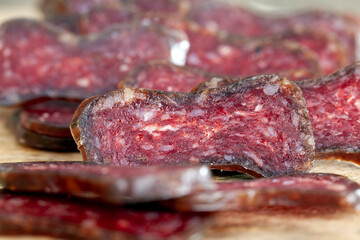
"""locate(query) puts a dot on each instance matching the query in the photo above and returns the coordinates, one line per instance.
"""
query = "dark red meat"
(305, 191)
(260, 123)
(236, 20)
(329, 50)
(71, 219)
(334, 108)
(117, 185)
(159, 75)
(39, 60)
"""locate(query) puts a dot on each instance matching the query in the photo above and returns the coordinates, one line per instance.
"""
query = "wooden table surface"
(227, 225)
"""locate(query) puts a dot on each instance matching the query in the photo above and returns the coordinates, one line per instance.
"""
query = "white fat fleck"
(240, 113)
(179, 52)
(151, 128)
(357, 104)
(7, 52)
(196, 113)
(270, 132)
(124, 68)
(209, 152)
(253, 156)
(148, 115)
(168, 127)
(165, 116)
(288, 182)
(295, 119)
(258, 108)
(225, 50)
(83, 82)
(147, 147)
(166, 148)
(129, 95)
(228, 157)
(271, 89)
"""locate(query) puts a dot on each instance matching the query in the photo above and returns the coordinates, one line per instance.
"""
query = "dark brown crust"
(286, 87)
(40, 141)
(114, 185)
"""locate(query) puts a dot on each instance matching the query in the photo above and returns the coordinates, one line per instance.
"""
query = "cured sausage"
(260, 123)
(71, 219)
(239, 21)
(160, 75)
(327, 192)
(39, 60)
(334, 108)
(116, 185)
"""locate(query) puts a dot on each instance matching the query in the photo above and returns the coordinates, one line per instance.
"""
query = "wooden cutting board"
(226, 225)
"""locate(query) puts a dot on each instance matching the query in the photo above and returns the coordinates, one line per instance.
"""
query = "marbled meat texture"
(70, 219)
(56, 140)
(39, 60)
(116, 185)
(260, 123)
(159, 75)
(327, 192)
(236, 20)
(51, 118)
(334, 108)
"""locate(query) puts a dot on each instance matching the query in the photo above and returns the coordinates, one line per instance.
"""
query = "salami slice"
(50, 118)
(334, 108)
(327, 192)
(56, 64)
(236, 20)
(117, 185)
(71, 219)
(160, 75)
(260, 123)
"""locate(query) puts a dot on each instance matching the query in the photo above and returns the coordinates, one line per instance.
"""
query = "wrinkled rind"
(40, 141)
(86, 66)
(325, 192)
(81, 126)
(42, 215)
(114, 185)
(310, 86)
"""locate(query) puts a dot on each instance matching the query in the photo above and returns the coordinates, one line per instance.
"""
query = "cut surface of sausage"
(116, 185)
(260, 123)
(39, 60)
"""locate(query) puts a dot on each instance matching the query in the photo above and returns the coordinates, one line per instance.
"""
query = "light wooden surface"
(228, 225)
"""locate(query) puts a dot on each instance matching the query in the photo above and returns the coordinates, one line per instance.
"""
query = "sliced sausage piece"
(327, 192)
(39, 60)
(260, 123)
(334, 108)
(41, 215)
(160, 75)
(117, 185)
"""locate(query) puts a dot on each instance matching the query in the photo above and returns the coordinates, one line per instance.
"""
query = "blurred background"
(28, 8)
